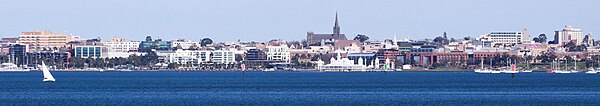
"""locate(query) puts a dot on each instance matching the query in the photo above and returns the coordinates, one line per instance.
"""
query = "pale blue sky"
(261, 20)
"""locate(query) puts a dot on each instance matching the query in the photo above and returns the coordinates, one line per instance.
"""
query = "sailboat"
(592, 70)
(510, 68)
(526, 69)
(483, 70)
(560, 71)
(47, 76)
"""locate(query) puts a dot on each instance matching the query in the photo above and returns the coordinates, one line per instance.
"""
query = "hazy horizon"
(262, 20)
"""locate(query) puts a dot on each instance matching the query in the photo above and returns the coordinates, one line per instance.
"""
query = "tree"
(205, 42)
(536, 39)
(467, 38)
(361, 37)
(439, 40)
(452, 40)
(542, 38)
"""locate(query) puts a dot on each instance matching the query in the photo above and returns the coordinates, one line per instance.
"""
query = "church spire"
(336, 27)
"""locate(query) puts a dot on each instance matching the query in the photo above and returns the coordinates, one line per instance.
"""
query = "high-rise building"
(567, 35)
(319, 39)
(40, 40)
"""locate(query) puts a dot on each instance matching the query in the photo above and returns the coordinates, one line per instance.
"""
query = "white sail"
(47, 76)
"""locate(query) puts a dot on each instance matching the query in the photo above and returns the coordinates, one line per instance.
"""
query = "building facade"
(278, 53)
(88, 51)
(121, 45)
(185, 44)
(504, 38)
(223, 57)
(40, 40)
(567, 35)
(157, 44)
(188, 57)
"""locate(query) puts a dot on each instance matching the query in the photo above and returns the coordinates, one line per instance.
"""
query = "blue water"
(298, 88)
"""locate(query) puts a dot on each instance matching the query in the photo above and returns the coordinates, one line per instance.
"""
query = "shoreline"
(235, 71)
(302, 70)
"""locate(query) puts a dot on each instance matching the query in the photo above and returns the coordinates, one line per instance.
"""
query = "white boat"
(509, 71)
(561, 72)
(495, 72)
(11, 67)
(527, 71)
(47, 76)
(591, 72)
(483, 71)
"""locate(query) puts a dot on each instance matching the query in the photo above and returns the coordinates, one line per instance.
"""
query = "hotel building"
(567, 35)
(504, 38)
(39, 40)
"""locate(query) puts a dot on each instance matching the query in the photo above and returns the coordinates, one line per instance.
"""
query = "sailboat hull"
(49, 80)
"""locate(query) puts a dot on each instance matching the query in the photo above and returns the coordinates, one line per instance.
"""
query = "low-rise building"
(121, 45)
(278, 53)
(223, 57)
(88, 51)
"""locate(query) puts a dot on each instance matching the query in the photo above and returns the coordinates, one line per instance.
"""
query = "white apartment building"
(185, 57)
(185, 44)
(121, 45)
(567, 35)
(223, 57)
(196, 57)
(278, 53)
(505, 38)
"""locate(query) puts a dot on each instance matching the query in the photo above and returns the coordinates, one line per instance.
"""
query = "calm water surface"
(298, 88)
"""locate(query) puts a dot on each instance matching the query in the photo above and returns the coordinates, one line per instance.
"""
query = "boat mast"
(575, 64)
(481, 63)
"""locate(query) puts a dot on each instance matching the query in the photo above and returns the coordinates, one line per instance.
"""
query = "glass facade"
(88, 51)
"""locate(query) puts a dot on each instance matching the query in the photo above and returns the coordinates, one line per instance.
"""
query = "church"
(323, 39)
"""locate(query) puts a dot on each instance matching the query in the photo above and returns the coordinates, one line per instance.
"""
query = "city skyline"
(290, 20)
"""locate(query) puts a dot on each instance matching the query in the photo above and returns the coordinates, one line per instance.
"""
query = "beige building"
(40, 40)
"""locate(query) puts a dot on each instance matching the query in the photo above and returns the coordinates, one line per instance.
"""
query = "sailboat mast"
(575, 63)
(481, 63)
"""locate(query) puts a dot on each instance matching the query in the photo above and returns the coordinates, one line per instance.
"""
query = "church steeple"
(336, 27)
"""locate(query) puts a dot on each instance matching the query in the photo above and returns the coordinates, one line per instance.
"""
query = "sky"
(262, 20)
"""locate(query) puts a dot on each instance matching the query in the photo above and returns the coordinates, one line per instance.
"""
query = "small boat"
(510, 72)
(483, 71)
(47, 76)
(527, 71)
(12, 68)
(591, 71)
(562, 72)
